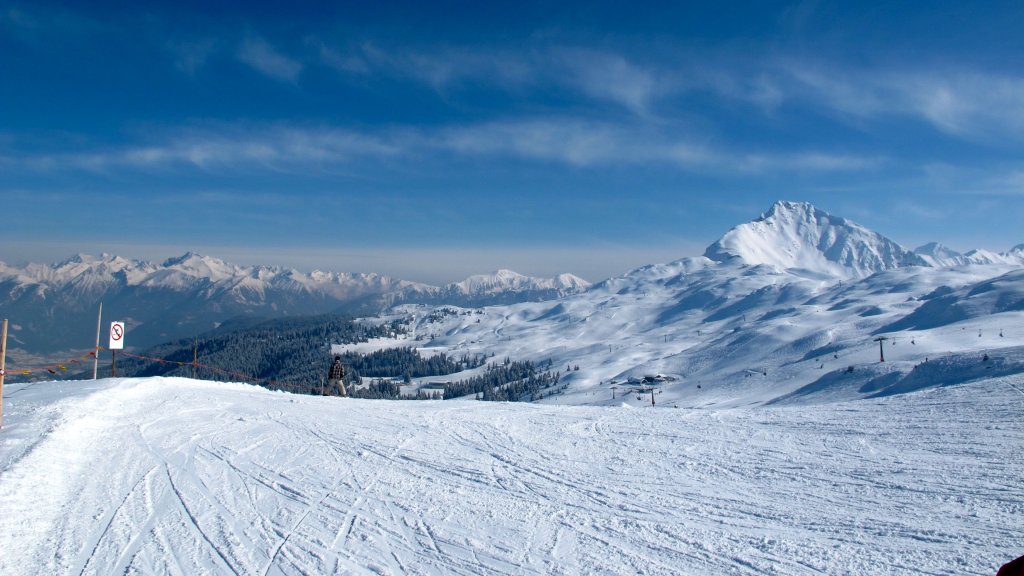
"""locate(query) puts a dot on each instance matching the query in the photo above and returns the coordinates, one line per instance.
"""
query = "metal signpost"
(96, 350)
(3, 365)
(116, 343)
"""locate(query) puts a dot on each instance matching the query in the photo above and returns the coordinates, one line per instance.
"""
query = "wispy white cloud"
(52, 21)
(581, 143)
(565, 141)
(442, 69)
(807, 162)
(598, 75)
(958, 101)
(1010, 184)
(571, 142)
(268, 60)
(271, 148)
(611, 77)
(349, 62)
(968, 104)
(190, 56)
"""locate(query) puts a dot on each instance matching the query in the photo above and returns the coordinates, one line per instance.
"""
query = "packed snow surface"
(177, 476)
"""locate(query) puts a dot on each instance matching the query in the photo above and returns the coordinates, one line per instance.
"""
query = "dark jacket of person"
(1013, 568)
(337, 371)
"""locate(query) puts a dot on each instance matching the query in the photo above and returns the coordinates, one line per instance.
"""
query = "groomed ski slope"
(176, 476)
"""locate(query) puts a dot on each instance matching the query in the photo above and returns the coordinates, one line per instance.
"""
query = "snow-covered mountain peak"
(82, 272)
(86, 261)
(982, 256)
(937, 254)
(935, 249)
(570, 282)
(82, 258)
(201, 266)
(505, 280)
(800, 237)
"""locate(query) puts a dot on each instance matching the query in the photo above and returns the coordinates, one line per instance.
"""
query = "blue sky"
(433, 140)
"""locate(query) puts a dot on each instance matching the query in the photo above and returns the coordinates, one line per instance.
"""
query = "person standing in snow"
(336, 376)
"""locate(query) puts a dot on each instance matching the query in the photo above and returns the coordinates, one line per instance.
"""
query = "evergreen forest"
(293, 354)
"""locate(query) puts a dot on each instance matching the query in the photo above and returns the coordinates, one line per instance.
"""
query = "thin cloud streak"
(258, 54)
(564, 141)
(191, 56)
(960, 102)
(613, 78)
(972, 105)
(275, 149)
(599, 75)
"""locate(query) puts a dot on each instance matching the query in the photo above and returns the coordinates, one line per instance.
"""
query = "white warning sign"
(116, 335)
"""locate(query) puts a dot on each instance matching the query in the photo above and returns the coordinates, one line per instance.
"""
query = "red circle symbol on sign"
(116, 331)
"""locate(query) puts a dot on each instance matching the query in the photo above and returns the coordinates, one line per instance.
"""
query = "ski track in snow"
(174, 476)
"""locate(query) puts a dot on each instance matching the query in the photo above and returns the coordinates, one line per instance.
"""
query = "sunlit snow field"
(176, 476)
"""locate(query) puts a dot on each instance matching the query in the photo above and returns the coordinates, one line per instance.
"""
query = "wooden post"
(3, 364)
(113, 363)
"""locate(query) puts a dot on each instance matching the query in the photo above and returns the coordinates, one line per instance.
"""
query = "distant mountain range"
(937, 255)
(53, 307)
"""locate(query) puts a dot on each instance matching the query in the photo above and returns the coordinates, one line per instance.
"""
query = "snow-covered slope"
(748, 335)
(173, 476)
(800, 237)
(737, 331)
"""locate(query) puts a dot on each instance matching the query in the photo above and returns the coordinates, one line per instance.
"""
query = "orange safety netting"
(61, 367)
(50, 368)
(239, 375)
